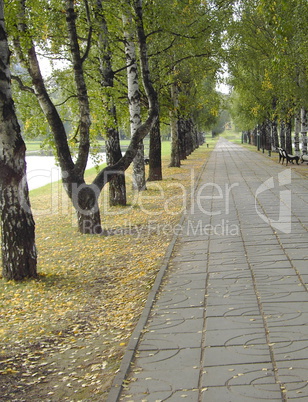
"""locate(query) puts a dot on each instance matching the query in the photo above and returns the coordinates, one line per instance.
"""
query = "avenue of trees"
(137, 67)
(126, 65)
(267, 61)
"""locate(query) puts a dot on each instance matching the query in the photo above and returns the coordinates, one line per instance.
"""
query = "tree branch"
(21, 84)
(89, 39)
(62, 103)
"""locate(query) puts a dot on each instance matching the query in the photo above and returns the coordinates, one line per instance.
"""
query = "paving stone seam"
(204, 333)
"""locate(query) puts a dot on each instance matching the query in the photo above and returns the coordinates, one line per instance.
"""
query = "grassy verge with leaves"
(63, 335)
(236, 137)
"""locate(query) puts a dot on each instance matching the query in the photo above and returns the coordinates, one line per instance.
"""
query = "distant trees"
(267, 63)
(185, 41)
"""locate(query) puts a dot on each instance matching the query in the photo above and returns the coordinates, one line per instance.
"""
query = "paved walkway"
(230, 320)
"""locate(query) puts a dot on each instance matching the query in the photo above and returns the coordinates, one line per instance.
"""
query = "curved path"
(230, 319)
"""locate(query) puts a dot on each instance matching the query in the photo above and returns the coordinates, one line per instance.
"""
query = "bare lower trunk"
(175, 147)
(282, 134)
(85, 200)
(139, 182)
(182, 137)
(289, 137)
(89, 223)
(19, 258)
(268, 136)
(155, 166)
(117, 186)
(275, 140)
(297, 129)
(304, 129)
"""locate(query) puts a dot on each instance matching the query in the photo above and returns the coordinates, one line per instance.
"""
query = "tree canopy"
(267, 60)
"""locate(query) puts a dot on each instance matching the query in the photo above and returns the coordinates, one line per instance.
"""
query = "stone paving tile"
(230, 320)
(198, 247)
(190, 256)
(168, 325)
(297, 254)
(177, 313)
(151, 389)
(186, 282)
(288, 333)
(284, 295)
(182, 299)
(300, 265)
(223, 259)
(243, 393)
(217, 297)
(249, 309)
(238, 374)
(158, 340)
(281, 278)
(189, 267)
(260, 241)
(181, 358)
(236, 337)
(237, 354)
(290, 351)
(236, 274)
(268, 259)
(271, 265)
(225, 268)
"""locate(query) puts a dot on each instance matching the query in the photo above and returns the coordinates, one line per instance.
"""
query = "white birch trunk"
(297, 130)
(139, 182)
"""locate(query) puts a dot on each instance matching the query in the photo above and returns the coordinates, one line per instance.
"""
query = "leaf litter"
(62, 336)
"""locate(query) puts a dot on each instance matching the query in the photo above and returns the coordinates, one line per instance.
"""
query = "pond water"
(42, 170)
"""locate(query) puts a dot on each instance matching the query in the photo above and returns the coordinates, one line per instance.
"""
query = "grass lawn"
(35, 145)
(63, 335)
(233, 136)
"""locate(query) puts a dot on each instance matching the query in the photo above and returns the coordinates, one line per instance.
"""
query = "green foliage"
(268, 58)
(185, 44)
(184, 41)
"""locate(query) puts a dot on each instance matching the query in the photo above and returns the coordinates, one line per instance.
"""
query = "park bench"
(304, 158)
(283, 155)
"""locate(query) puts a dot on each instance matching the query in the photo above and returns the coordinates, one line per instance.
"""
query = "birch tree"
(117, 189)
(84, 196)
(19, 259)
(134, 103)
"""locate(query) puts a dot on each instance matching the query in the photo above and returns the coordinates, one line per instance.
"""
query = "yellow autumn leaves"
(92, 285)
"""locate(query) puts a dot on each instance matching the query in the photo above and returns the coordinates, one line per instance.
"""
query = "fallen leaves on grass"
(74, 322)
